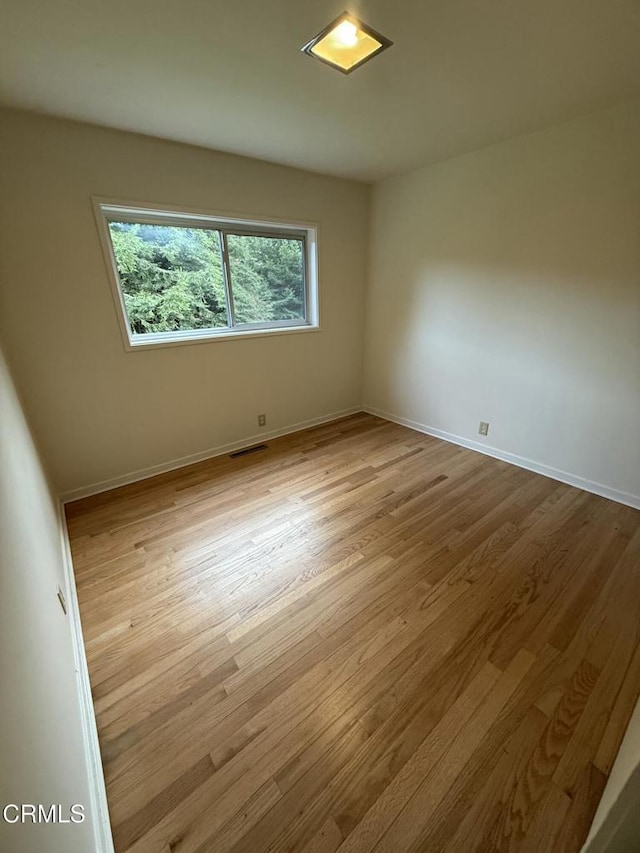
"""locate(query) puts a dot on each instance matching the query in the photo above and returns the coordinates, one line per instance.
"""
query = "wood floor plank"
(575, 827)
(385, 810)
(327, 839)
(406, 829)
(481, 803)
(524, 797)
(362, 638)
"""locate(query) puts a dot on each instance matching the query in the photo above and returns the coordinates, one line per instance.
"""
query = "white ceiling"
(229, 75)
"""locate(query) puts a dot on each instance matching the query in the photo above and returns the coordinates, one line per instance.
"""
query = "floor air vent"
(245, 451)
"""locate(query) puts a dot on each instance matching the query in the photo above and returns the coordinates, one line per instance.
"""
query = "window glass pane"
(171, 277)
(267, 278)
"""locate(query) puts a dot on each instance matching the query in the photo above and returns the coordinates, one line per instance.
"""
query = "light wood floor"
(360, 639)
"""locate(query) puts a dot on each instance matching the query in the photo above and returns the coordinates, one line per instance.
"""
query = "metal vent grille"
(246, 450)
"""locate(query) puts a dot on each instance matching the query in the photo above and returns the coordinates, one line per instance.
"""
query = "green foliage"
(172, 278)
(267, 278)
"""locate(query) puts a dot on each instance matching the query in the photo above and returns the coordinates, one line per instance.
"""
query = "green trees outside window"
(172, 277)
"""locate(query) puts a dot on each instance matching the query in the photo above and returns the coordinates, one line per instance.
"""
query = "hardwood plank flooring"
(359, 639)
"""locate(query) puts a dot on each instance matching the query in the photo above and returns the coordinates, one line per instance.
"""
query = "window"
(180, 277)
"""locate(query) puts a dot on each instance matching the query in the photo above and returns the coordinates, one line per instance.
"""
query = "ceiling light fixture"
(346, 43)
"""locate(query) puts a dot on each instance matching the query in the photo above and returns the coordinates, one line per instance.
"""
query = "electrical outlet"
(262, 420)
(484, 428)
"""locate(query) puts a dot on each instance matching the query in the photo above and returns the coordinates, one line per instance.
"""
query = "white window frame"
(107, 210)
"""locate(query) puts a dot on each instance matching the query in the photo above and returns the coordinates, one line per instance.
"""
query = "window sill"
(188, 338)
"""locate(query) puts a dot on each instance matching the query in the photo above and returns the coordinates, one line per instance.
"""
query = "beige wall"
(100, 412)
(505, 287)
(41, 741)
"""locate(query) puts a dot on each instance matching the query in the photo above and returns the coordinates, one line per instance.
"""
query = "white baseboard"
(103, 839)
(514, 459)
(221, 450)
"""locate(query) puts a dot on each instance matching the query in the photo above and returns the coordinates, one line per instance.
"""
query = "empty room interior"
(320, 426)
